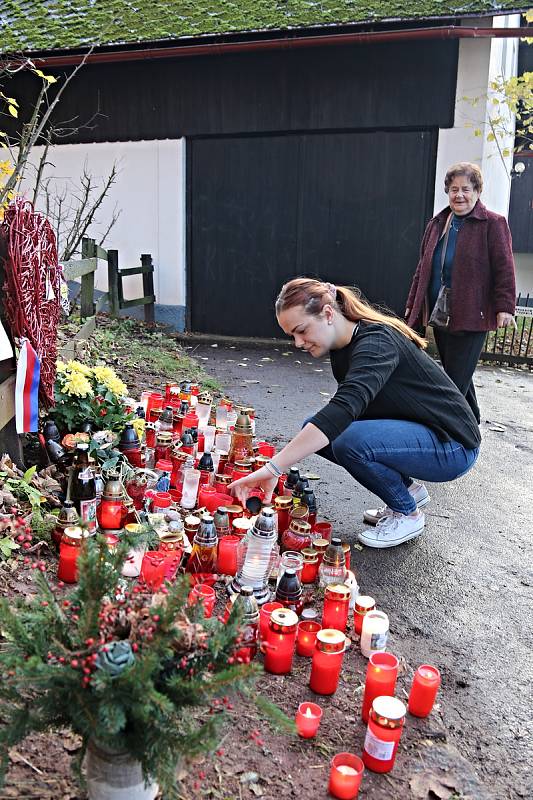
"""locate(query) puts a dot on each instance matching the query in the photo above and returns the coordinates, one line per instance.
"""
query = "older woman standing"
(466, 248)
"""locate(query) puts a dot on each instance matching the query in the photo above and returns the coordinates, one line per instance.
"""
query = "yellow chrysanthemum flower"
(61, 366)
(117, 387)
(77, 384)
(77, 366)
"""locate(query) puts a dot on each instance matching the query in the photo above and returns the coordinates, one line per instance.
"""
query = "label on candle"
(382, 751)
(88, 513)
(378, 641)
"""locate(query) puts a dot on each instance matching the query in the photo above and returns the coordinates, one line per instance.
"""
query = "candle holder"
(308, 719)
(336, 606)
(363, 604)
(241, 440)
(282, 506)
(327, 661)
(205, 594)
(375, 633)
(306, 637)
(333, 566)
(381, 675)
(424, 689)
(69, 552)
(310, 567)
(279, 645)
(289, 591)
(290, 560)
(264, 617)
(227, 562)
(297, 536)
(383, 734)
(345, 776)
(257, 555)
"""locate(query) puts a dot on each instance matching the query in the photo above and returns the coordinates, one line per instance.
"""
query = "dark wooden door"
(347, 207)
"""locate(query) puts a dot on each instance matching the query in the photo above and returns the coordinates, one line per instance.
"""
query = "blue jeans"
(382, 454)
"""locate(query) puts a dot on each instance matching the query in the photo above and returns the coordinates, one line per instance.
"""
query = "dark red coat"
(483, 274)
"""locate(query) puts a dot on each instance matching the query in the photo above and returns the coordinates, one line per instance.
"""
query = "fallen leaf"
(247, 380)
(431, 785)
(267, 359)
(325, 394)
(242, 364)
(318, 369)
(249, 777)
(214, 345)
(497, 427)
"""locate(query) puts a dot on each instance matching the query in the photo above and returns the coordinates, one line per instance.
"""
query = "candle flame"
(308, 712)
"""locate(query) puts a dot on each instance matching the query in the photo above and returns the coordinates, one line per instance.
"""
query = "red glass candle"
(297, 536)
(280, 640)
(323, 530)
(264, 616)
(155, 401)
(424, 689)
(347, 554)
(267, 449)
(306, 637)
(381, 675)
(153, 569)
(336, 606)
(383, 734)
(227, 555)
(363, 604)
(69, 552)
(320, 545)
(160, 502)
(240, 526)
(109, 513)
(345, 776)
(234, 511)
(150, 434)
(308, 719)
(310, 567)
(206, 495)
(203, 593)
(327, 661)
(283, 506)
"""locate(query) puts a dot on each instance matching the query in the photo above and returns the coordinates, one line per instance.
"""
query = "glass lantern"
(257, 554)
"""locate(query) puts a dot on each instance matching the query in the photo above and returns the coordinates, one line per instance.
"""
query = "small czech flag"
(27, 389)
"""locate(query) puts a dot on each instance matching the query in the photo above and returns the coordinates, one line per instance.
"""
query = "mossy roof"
(46, 25)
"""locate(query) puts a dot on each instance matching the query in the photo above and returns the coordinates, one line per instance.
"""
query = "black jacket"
(383, 375)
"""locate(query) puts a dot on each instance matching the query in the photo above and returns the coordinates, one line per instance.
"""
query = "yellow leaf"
(477, 132)
(490, 137)
(529, 15)
(49, 78)
(13, 111)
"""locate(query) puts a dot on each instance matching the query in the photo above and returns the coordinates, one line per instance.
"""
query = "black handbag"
(440, 315)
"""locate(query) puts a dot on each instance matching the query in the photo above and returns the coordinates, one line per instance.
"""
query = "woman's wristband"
(273, 469)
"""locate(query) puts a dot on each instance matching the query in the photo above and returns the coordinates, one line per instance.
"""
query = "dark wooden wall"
(409, 84)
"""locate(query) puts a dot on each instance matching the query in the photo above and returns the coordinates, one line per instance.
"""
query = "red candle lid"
(337, 591)
(329, 640)
(283, 620)
(310, 555)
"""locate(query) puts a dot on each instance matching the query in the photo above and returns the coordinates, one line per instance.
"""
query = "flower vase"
(115, 775)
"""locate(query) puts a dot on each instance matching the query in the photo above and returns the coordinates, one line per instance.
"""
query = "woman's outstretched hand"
(261, 479)
(503, 319)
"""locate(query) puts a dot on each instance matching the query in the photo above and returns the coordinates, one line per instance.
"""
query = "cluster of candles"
(235, 545)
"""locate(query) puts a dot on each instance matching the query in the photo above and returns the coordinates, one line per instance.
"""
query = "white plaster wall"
(480, 62)
(524, 273)
(150, 194)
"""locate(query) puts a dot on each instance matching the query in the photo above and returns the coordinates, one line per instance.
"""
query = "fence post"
(88, 250)
(148, 286)
(113, 279)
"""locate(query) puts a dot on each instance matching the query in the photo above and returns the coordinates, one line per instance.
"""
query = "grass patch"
(144, 356)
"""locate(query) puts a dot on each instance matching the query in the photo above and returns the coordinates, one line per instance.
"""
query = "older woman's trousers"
(382, 454)
(459, 353)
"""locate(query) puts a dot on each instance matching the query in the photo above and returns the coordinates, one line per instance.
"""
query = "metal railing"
(510, 345)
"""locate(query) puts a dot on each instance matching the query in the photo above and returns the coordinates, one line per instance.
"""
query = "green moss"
(42, 26)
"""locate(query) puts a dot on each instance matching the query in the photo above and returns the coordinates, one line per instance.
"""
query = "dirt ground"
(459, 598)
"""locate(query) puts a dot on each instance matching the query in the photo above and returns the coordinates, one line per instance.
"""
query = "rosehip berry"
(74, 663)
(26, 546)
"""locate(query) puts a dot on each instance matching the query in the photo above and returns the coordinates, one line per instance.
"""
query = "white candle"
(375, 633)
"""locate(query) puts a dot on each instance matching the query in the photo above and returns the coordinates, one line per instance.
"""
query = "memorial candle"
(308, 719)
(205, 594)
(375, 632)
(279, 645)
(227, 555)
(306, 637)
(264, 617)
(336, 606)
(381, 675)
(310, 567)
(363, 604)
(345, 776)
(383, 734)
(327, 661)
(424, 689)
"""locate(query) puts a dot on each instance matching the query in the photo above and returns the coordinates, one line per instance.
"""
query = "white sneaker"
(418, 492)
(393, 529)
